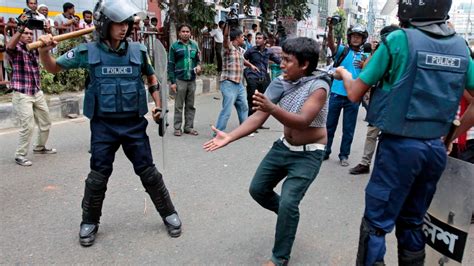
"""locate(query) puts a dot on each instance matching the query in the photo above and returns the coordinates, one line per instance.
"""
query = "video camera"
(233, 17)
(30, 21)
(335, 19)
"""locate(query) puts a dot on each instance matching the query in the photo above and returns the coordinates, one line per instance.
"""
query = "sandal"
(177, 133)
(192, 132)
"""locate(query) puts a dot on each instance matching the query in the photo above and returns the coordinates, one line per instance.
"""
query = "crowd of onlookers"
(65, 22)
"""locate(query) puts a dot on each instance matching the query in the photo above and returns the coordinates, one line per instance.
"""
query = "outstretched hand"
(262, 103)
(220, 140)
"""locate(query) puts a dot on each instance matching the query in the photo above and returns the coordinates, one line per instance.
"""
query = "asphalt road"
(40, 205)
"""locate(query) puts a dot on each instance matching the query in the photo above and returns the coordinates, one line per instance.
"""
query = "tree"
(193, 12)
(198, 13)
(274, 9)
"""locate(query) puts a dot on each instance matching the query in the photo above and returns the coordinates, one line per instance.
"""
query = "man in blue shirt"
(350, 57)
(258, 56)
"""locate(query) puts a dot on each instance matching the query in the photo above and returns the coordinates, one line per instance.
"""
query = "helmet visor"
(120, 10)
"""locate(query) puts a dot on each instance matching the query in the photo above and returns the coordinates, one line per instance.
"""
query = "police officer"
(115, 101)
(428, 67)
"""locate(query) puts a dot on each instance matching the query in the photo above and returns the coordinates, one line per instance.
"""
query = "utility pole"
(469, 23)
(371, 19)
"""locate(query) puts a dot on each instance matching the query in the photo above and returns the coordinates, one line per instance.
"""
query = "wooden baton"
(62, 37)
(449, 137)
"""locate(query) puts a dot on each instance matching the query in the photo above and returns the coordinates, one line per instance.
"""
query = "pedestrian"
(350, 57)
(183, 67)
(302, 109)
(218, 39)
(372, 132)
(33, 9)
(252, 31)
(49, 22)
(232, 89)
(115, 103)
(2, 55)
(28, 98)
(259, 56)
(248, 41)
(86, 23)
(413, 110)
(280, 33)
(66, 20)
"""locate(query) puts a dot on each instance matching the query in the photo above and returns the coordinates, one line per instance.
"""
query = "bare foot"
(269, 263)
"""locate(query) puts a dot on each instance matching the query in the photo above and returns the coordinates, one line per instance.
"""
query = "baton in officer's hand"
(449, 137)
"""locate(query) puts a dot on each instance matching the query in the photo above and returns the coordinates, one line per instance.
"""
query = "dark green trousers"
(300, 169)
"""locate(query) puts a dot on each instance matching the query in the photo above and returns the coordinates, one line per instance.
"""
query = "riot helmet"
(423, 10)
(360, 29)
(118, 11)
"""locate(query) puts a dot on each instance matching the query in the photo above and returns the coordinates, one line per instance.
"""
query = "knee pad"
(150, 176)
(96, 181)
(365, 231)
(403, 225)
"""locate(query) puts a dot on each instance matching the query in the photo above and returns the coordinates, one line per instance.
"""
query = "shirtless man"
(295, 157)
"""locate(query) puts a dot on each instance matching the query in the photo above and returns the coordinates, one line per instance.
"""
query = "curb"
(69, 105)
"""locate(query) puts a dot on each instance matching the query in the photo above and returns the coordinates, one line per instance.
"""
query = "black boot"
(152, 180)
(94, 194)
(173, 225)
(87, 234)
(411, 258)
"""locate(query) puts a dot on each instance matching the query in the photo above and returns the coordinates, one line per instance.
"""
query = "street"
(41, 204)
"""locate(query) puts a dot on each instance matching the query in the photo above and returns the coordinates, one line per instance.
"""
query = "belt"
(306, 147)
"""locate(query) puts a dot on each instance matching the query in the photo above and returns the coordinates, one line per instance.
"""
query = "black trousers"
(107, 135)
(218, 53)
(256, 84)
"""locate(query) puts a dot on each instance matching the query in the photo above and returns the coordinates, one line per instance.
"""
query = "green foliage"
(340, 29)
(209, 70)
(69, 80)
(199, 14)
(297, 9)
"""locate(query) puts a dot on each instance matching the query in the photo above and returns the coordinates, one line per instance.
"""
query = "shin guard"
(94, 195)
(154, 185)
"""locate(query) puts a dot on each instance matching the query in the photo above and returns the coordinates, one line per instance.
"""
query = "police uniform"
(115, 102)
(413, 109)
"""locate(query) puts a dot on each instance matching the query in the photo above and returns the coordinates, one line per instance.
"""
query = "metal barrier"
(206, 45)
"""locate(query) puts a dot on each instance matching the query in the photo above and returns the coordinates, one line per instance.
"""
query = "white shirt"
(253, 37)
(84, 25)
(218, 36)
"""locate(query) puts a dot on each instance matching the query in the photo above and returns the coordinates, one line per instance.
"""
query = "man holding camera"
(350, 57)
(34, 19)
(232, 89)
